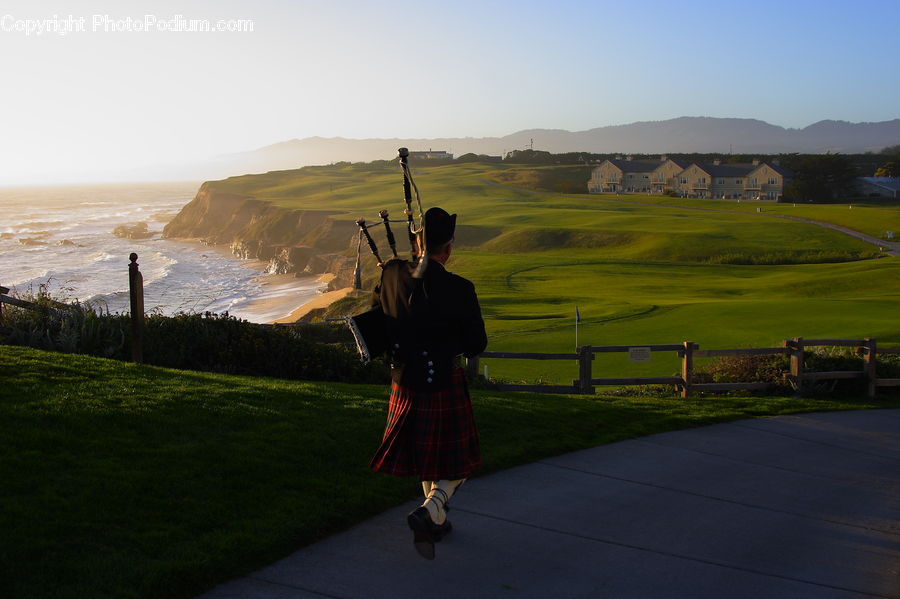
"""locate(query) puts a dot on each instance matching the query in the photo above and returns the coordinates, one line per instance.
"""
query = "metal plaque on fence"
(639, 354)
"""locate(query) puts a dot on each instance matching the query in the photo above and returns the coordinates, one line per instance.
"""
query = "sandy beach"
(286, 297)
(322, 301)
(281, 296)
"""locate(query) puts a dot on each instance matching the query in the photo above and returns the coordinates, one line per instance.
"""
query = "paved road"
(804, 506)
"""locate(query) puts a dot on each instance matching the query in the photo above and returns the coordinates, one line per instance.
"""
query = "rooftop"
(636, 166)
(892, 183)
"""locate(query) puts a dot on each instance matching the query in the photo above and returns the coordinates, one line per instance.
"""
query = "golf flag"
(577, 320)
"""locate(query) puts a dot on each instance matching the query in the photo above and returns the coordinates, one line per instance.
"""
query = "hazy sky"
(90, 104)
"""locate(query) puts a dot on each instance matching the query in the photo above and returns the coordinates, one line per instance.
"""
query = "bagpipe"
(368, 328)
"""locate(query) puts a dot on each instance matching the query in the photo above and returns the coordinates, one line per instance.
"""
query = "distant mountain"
(684, 134)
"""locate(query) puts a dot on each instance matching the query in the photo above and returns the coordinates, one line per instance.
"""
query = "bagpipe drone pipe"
(368, 328)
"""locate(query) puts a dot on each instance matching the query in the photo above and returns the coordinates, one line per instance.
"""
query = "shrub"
(888, 367)
(747, 369)
(70, 328)
(790, 257)
(659, 391)
(209, 342)
(223, 343)
(773, 369)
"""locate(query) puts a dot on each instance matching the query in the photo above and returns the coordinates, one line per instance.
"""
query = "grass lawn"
(871, 217)
(133, 481)
(641, 269)
(717, 306)
(484, 192)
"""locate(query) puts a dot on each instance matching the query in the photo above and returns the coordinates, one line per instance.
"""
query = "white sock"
(437, 498)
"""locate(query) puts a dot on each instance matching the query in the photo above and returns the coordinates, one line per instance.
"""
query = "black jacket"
(428, 322)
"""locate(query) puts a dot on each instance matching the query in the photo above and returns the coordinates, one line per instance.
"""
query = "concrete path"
(891, 248)
(804, 506)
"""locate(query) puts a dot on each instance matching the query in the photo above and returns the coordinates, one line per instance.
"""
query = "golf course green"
(640, 269)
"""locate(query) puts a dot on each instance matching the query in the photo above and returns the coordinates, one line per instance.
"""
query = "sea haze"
(62, 238)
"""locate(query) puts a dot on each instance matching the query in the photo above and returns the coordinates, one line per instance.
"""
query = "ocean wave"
(32, 242)
(115, 301)
(34, 233)
(157, 267)
(163, 215)
(42, 223)
(34, 227)
(234, 302)
(177, 276)
(108, 216)
(103, 257)
(29, 277)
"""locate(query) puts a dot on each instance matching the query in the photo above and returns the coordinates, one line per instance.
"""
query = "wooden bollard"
(585, 365)
(687, 367)
(871, 366)
(796, 347)
(136, 292)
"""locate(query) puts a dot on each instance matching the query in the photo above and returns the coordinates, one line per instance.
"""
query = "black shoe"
(439, 531)
(420, 523)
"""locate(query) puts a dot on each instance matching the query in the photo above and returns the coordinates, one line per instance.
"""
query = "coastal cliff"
(291, 241)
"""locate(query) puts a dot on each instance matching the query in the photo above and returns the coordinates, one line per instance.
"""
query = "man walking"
(430, 433)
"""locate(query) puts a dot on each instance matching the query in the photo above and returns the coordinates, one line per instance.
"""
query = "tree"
(529, 157)
(472, 157)
(821, 178)
(891, 168)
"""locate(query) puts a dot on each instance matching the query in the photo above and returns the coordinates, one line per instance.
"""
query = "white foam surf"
(75, 256)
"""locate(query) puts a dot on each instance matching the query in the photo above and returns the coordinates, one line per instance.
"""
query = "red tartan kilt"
(429, 435)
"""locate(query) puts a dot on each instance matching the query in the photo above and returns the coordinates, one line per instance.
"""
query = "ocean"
(61, 238)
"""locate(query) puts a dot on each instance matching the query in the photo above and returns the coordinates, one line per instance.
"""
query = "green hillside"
(641, 269)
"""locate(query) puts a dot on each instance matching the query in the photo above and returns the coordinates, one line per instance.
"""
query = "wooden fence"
(688, 352)
(585, 355)
(136, 292)
(5, 298)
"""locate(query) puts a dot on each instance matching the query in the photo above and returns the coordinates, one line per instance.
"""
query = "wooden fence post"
(585, 364)
(687, 368)
(796, 347)
(871, 365)
(3, 291)
(136, 292)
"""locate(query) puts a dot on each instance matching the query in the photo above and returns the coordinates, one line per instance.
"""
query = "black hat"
(439, 227)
